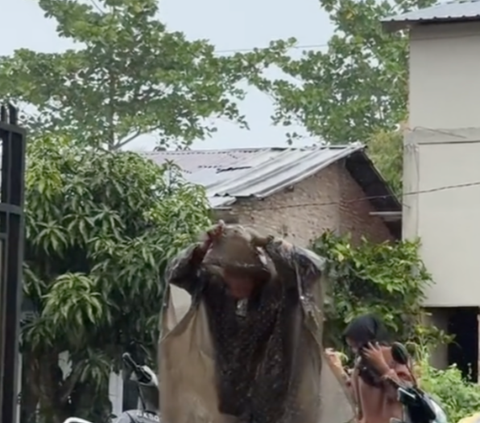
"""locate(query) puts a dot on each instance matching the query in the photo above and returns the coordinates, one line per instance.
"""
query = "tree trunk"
(91, 404)
(29, 396)
(50, 381)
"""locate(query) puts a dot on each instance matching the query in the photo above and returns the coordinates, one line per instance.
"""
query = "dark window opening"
(463, 351)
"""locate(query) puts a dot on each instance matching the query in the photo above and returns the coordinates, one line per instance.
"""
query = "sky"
(229, 25)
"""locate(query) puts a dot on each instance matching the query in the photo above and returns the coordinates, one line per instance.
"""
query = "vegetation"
(356, 89)
(101, 224)
(129, 76)
(100, 227)
(385, 148)
(389, 279)
(359, 85)
(457, 397)
(386, 279)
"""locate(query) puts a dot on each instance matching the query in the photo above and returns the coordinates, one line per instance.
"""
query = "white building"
(442, 165)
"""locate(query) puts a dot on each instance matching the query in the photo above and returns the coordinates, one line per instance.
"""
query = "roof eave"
(395, 25)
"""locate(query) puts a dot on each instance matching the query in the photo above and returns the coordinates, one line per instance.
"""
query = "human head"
(243, 284)
(364, 329)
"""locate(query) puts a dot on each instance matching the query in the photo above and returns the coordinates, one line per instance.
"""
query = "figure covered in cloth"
(249, 348)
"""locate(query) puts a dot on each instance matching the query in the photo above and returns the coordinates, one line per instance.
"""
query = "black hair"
(367, 328)
(363, 330)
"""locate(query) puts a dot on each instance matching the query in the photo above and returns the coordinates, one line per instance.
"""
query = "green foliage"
(387, 279)
(457, 397)
(359, 85)
(129, 76)
(100, 227)
(386, 151)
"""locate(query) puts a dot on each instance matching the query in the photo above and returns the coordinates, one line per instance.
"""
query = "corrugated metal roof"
(255, 172)
(441, 12)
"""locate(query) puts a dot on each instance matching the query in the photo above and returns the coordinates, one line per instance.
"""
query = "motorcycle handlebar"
(129, 361)
(140, 373)
(413, 397)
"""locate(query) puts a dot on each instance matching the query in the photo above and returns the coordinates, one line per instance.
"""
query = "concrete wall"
(442, 148)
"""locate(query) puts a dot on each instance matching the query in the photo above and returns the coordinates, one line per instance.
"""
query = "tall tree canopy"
(357, 89)
(100, 227)
(129, 76)
(358, 85)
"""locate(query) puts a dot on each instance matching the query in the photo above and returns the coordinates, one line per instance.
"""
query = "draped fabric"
(249, 361)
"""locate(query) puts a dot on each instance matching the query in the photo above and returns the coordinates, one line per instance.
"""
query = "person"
(375, 398)
(248, 350)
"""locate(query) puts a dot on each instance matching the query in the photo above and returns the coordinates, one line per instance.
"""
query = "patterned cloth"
(260, 345)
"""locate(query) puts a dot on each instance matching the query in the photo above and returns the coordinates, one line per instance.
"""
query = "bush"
(387, 279)
(458, 397)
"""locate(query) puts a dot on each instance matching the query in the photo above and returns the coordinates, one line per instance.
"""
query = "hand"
(210, 236)
(374, 355)
(213, 234)
(216, 232)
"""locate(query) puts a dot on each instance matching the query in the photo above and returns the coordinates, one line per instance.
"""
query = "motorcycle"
(418, 406)
(149, 396)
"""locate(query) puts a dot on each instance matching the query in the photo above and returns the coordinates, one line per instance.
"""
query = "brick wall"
(295, 213)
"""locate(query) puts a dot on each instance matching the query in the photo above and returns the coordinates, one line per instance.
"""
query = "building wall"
(444, 88)
(323, 201)
(442, 147)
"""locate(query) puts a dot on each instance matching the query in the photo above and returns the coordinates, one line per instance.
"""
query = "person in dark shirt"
(256, 316)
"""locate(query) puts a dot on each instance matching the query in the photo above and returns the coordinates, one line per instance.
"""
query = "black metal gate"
(12, 151)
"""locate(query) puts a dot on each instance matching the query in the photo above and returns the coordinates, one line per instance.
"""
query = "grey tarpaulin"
(271, 371)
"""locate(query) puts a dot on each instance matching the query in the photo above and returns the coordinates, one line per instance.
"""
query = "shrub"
(458, 397)
(387, 279)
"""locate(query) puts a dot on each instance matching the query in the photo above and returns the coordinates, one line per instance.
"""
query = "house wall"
(304, 211)
(442, 148)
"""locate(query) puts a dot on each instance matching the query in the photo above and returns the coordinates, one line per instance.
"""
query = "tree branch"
(127, 140)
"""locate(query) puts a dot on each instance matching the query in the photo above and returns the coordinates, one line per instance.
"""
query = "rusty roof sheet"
(253, 172)
(465, 10)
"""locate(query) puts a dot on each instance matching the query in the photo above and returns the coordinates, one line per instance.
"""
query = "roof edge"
(247, 149)
(391, 26)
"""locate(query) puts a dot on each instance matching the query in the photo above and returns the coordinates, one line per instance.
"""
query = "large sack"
(292, 383)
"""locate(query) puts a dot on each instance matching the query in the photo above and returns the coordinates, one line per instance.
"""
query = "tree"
(358, 86)
(385, 148)
(99, 229)
(129, 77)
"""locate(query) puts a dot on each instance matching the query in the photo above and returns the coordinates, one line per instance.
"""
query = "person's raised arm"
(183, 269)
(334, 357)
(293, 261)
(380, 358)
